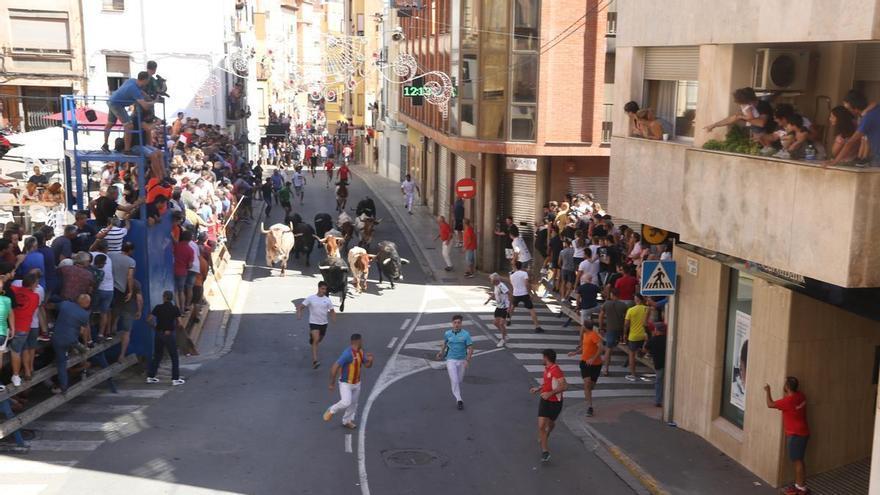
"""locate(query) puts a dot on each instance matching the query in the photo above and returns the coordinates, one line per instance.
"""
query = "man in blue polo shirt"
(128, 94)
(868, 113)
(458, 348)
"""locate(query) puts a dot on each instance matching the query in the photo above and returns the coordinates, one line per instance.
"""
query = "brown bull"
(367, 227)
(331, 244)
(280, 240)
(359, 264)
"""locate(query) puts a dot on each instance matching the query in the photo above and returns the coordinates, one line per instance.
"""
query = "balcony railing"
(611, 24)
(607, 127)
(793, 216)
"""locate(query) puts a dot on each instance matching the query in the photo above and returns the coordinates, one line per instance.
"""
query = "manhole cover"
(411, 458)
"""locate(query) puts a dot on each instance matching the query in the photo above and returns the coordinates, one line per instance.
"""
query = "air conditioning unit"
(778, 69)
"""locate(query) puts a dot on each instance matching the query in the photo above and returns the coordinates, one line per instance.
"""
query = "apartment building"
(41, 58)
(527, 119)
(778, 274)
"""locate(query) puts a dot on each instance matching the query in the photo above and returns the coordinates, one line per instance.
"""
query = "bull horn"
(263, 228)
(404, 261)
(372, 256)
(378, 221)
(323, 267)
(318, 238)
(297, 235)
(386, 261)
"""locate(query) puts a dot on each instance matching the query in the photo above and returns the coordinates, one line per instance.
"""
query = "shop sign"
(520, 164)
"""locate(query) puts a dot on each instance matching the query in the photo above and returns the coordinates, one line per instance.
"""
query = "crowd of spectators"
(77, 289)
(781, 130)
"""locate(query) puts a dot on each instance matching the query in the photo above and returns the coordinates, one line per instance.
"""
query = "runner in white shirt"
(298, 180)
(501, 295)
(522, 293)
(320, 310)
(588, 269)
(409, 188)
(520, 251)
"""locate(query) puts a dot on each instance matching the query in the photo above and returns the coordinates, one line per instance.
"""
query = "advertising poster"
(740, 360)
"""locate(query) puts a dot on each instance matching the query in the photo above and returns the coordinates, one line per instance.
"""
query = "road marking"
(21, 467)
(101, 408)
(435, 344)
(603, 380)
(534, 356)
(393, 341)
(544, 345)
(132, 393)
(405, 323)
(539, 368)
(64, 445)
(348, 443)
(22, 488)
(451, 309)
(439, 326)
(539, 336)
(78, 426)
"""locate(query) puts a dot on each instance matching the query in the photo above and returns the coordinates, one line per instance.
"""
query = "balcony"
(793, 216)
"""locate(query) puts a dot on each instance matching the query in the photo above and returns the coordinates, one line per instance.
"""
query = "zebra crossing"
(524, 344)
(61, 439)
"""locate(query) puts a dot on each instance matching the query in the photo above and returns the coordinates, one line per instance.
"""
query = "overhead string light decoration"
(437, 82)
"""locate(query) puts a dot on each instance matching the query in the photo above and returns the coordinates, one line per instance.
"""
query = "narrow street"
(250, 421)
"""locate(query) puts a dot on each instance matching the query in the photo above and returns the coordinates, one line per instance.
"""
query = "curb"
(626, 468)
(404, 227)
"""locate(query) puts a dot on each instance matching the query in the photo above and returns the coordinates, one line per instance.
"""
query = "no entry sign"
(466, 188)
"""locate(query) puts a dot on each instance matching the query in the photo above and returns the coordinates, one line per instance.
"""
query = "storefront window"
(739, 324)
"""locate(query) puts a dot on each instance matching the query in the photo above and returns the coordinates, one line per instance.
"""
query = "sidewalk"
(626, 433)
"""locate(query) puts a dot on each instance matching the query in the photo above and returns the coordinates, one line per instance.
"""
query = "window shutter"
(868, 62)
(118, 64)
(672, 63)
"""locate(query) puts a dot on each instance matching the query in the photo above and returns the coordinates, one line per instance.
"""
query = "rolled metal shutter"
(597, 186)
(867, 62)
(443, 207)
(672, 63)
(460, 168)
(521, 202)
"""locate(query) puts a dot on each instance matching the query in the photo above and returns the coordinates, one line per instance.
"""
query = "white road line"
(23, 467)
(599, 394)
(435, 344)
(393, 341)
(64, 445)
(441, 326)
(22, 488)
(544, 345)
(132, 393)
(603, 380)
(451, 309)
(101, 408)
(539, 336)
(567, 368)
(405, 323)
(77, 426)
(348, 443)
(530, 356)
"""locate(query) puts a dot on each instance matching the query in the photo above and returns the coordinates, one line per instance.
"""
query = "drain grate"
(411, 458)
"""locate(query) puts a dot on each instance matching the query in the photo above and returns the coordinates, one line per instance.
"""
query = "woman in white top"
(580, 247)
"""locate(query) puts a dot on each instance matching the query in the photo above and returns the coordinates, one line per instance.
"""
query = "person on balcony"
(757, 114)
(631, 109)
(651, 126)
(843, 126)
(130, 93)
(869, 129)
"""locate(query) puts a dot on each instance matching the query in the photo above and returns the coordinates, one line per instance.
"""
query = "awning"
(48, 143)
(83, 121)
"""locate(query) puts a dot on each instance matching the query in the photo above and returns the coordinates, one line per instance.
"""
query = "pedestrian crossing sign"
(658, 278)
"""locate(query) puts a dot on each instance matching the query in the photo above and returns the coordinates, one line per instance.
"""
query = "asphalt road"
(250, 421)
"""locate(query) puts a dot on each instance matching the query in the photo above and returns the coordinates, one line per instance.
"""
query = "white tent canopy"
(48, 143)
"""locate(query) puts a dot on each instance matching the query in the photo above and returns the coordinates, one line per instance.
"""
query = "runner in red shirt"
(793, 405)
(27, 301)
(328, 166)
(550, 404)
(627, 284)
(344, 173)
(469, 239)
(445, 236)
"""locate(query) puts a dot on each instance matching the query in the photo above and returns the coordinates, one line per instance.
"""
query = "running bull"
(389, 262)
(334, 271)
(280, 241)
(359, 263)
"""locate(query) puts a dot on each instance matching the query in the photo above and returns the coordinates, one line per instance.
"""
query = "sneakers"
(448, 268)
(590, 412)
(460, 405)
(501, 343)
(545, 456)
(539, 330)
(328, 414)
(43, 337)
(179, 381)
(350, 425)
(16, 381)
(631, 378)
(105, 148)
(152, 379)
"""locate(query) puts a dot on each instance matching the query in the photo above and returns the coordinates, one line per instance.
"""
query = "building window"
(524, 73)
(470, 24)
(39, 32)
(117, 71)
(495, 68)
(114, 5)
(674, 104)
(739, 324)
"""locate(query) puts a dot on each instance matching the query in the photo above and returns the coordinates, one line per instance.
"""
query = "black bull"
(334, 271)
(389, 262)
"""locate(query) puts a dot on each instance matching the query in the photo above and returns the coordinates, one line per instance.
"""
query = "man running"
(329, 167)
(319, 307)
(350, 362)
(522, 293)
(635, 325)
(284, 195)
(408, 188)
(458, 349)
(313, 162)
(550, 405)
(344, 173)
(299, 180)
(591, 361)
(501, 295)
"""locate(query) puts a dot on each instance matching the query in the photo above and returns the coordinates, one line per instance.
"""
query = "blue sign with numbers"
(658, 278)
